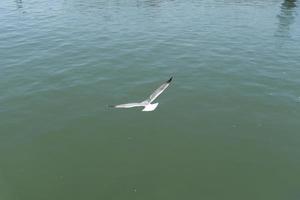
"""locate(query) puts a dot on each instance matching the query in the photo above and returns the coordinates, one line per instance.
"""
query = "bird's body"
(147, 104)
(150, 107)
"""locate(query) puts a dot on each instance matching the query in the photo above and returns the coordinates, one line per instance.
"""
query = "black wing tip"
(111, 106)
(170, 79)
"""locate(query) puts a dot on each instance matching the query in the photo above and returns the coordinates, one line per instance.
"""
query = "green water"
(227, 127)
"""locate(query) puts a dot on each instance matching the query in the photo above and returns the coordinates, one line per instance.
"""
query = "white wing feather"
(128, 105)
(159, 90)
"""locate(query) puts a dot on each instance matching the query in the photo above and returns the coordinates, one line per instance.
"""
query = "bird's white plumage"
(147, 103)
(129, 105)
(150, 107)
(158, 91)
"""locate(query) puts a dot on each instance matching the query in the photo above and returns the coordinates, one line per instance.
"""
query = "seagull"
(147, 104)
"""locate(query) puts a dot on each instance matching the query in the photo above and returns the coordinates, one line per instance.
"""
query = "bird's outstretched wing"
(127, 105)
(159, 90)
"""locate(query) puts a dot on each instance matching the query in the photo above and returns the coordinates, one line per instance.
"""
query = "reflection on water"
(286, 17)
(154, 3)
(19, 4)
(151, 3)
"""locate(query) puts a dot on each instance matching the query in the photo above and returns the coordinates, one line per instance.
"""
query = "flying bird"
(147, 104)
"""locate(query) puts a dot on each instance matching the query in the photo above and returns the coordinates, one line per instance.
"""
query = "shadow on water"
(286, 17)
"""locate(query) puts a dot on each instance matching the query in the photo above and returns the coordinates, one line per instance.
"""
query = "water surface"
(227, 128)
